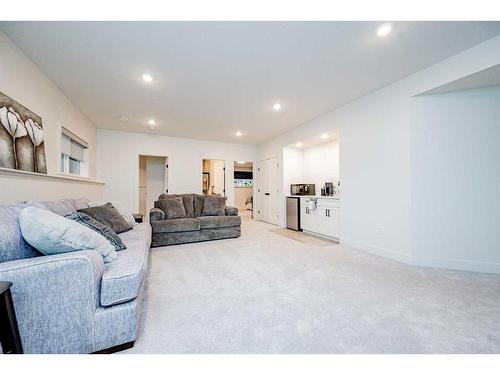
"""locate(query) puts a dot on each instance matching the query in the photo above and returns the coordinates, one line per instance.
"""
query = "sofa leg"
(117, 348)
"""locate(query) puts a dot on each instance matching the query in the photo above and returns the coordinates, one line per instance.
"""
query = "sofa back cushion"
(81, 203)
(60, 207)
(12, 244)
(187, 200)
(214, 206)
(199, 201)
(173, 208)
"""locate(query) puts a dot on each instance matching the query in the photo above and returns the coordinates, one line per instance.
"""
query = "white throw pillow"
(127, 215)
(51, 234)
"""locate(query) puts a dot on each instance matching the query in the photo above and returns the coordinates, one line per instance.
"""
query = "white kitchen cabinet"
(306, 215)
(324, 220)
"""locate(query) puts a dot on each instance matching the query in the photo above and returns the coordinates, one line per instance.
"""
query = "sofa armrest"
(231, 211)
(156, 215)
(55, 299)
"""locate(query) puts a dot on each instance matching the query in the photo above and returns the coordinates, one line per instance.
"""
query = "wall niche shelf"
(18, 173)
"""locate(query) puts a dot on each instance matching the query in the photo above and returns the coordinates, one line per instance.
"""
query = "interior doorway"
(213, 177)
(243, 186)
(153, 181)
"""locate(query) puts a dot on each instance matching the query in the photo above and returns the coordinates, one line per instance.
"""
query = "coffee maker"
(328, 190)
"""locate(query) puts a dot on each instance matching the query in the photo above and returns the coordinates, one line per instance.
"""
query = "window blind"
(72, 145)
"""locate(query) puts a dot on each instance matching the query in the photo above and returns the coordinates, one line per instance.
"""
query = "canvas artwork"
(21, 137)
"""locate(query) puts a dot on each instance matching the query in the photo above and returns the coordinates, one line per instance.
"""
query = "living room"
(240, 188)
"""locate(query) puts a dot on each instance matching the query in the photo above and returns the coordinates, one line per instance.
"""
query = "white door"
(260, 202)
(156, 179)
(218, 177)
(268, 191)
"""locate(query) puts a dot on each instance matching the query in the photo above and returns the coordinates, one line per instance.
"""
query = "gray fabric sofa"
(195, 227)
(73, 302)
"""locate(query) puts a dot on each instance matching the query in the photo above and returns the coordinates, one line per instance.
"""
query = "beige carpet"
(270, 293)
(303, 238)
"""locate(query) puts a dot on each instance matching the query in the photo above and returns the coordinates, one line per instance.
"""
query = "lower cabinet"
(324, 220)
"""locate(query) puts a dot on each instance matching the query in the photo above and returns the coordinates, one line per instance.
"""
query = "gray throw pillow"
(187, 200)
(98, 227)
(108, 215)
(214, 206)
(173, 208)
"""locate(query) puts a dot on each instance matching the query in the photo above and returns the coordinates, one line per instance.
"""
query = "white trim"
(336, 239)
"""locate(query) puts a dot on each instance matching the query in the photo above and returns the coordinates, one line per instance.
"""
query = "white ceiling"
(212, 79)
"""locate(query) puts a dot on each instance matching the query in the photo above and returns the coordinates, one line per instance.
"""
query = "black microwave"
(302, 189)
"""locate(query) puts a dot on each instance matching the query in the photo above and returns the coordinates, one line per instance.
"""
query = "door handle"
(267, 193)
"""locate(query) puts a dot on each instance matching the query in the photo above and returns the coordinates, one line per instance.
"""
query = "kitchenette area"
(312, 183)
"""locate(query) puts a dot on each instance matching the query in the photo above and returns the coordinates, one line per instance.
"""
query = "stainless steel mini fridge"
(293, 213)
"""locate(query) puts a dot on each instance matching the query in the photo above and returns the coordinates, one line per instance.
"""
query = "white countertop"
(314, 196)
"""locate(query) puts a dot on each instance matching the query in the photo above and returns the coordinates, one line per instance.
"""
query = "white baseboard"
(454, 264)
(377, 250)
(457, 264)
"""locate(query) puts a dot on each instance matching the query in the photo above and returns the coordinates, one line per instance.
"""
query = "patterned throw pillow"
(98, 227)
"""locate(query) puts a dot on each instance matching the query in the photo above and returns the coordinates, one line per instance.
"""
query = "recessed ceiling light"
(239, 134)
(151, 122)
(324, 136)
(123, 118)
(277, 107)
(147, 78)
(298, 144)
(384, 29)
(240, 162)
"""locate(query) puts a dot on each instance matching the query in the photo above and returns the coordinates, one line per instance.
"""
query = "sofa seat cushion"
(219, 221)
(176, 225)
(123, 278)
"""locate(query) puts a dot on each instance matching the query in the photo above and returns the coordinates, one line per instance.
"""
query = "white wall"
(241, 195)
(118, 162)
(321, 164)
(21, 80)
(455, 179)
(375, 153)
(293, 168)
